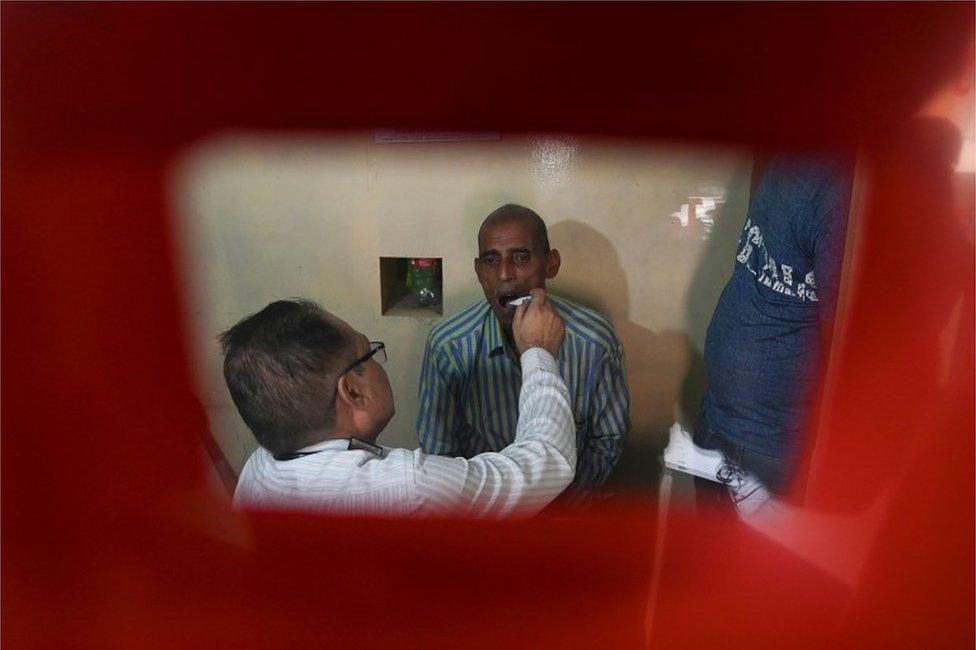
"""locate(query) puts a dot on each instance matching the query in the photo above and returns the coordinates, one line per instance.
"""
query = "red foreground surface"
(110, 535)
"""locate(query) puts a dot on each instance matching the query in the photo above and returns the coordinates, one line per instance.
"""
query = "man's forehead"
(500, 247)
(508, 234)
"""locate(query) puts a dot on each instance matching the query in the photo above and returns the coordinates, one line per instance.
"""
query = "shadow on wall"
(665, 370)
(656, 362)
(712, 273)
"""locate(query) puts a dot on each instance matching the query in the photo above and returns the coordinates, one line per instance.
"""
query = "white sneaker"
(746, 490)
(683, 455)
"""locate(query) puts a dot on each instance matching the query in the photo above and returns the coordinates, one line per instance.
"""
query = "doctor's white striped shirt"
(520, 479)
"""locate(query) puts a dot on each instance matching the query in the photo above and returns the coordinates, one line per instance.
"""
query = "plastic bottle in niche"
(423, 280)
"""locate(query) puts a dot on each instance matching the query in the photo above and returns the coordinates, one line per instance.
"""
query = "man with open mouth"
(470, 379)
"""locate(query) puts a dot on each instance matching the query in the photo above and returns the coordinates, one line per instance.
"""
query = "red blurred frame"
(109, 535)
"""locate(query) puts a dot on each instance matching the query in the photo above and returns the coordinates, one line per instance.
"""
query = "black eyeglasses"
(377, 349)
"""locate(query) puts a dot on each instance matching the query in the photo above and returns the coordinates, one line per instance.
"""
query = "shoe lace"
(728, 472)
(735, 478)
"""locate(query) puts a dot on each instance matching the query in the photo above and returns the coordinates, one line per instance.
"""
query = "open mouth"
(505, 300)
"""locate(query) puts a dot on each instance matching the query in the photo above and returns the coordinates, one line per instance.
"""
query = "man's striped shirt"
(470, 379)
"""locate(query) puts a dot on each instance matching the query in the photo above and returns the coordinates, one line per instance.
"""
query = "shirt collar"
(334, 443)
(494, 337)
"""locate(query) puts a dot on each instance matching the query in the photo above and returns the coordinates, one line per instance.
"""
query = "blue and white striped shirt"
(470, 379)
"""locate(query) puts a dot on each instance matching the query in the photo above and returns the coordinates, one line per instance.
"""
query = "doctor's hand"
(537, 325)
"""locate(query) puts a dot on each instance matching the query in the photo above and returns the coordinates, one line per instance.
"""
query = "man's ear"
(350, 391)
(480, 270)
(552, 264)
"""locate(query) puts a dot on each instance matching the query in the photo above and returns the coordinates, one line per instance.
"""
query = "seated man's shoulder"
(587, 324)
(459, 325)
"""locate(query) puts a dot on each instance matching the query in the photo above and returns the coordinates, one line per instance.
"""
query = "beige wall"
(270, 216)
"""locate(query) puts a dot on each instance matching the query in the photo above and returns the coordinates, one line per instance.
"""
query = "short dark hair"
(281, 366)
(513, 212)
